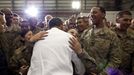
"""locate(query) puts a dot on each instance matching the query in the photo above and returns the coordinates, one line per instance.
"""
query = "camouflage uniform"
(21, 56)
(127, 46)
(133, 64)
(11, 36)
(89, 63)
(4, 44)
(3, 55)
(103, 46)
(130, 31)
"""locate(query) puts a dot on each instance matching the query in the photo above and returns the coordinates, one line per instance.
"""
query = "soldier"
(20, 61)
(101, 43)
(8, 15)
(123, 19)
(88, 61)
(82, 24)
(15, 24)
(3, 47)
(130, 32)
(33, 24)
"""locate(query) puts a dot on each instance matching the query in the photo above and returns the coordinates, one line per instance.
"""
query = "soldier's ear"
(117, 20)
(103, 15)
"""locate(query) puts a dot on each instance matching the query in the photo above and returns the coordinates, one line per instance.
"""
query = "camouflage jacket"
(21, 57)
(103, 46)
(4, 45)
(11, 36)
(89, 63)
(130, 32)
(3, 55)
(127, 46)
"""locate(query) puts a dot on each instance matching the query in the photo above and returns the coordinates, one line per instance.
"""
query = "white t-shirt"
(52, 56)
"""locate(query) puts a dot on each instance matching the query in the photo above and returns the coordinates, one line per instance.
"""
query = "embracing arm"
(88, 61)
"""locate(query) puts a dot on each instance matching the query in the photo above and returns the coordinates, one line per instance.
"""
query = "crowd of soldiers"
(110, 46)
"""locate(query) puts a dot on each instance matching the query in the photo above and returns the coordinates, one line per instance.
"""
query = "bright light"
(76, 4)
(32, 11)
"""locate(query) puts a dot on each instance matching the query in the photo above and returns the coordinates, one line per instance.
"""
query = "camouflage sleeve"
(16, 61)
(133, 63)
(88, 62)
(114, 56)
(13, 65)
(130, 32)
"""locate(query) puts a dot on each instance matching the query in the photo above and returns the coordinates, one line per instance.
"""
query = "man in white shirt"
(53, 56)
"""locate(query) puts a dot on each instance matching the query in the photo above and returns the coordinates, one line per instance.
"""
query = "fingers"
(72, 41)
(43, 32)
(24, 67)
(71, 47)
(45, 35)
(41, 38)
(75, 45)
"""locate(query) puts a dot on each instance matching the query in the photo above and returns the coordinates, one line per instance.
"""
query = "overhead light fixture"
(32, 11)
(76, 4)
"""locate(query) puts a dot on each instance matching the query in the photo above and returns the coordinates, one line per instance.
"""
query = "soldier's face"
(81, 25)
(2, 19)
(8, 18)
(15, 20)
(125, 21)
(96, 15)
(2, 22)
(132, 22)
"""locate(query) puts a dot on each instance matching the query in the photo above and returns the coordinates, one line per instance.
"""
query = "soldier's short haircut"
(1, 13)
(6, 11)
(23, 32)
(102, 9)
(55, 22)
(84, 18)
(15, 15)
(121, 13)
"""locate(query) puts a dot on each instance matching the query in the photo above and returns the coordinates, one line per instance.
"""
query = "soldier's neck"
(99, 25)
(122, 30)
